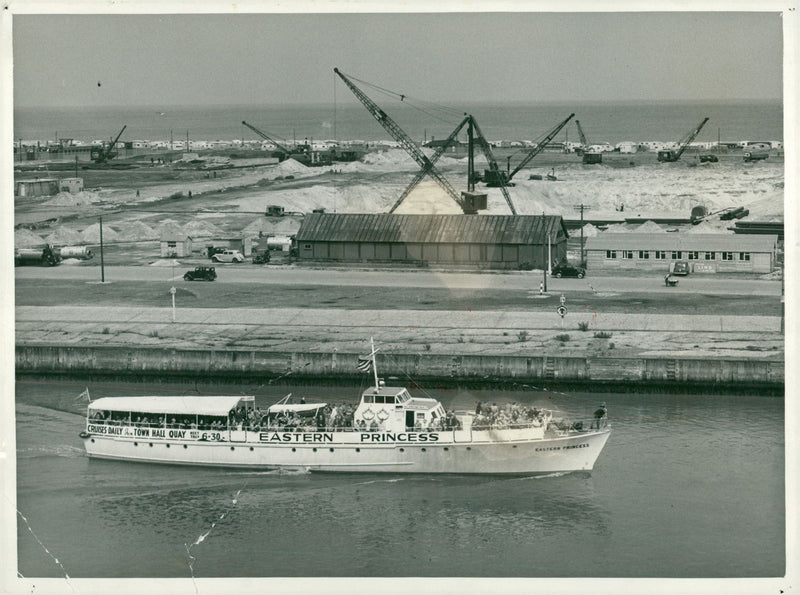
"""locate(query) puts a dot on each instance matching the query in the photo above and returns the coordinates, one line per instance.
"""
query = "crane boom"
(670, 156)
(268, 138)
(433, 159)
(103, 154)
(690, 137)
(401, 137)
(497, 174)
(584, 142)
(114, 144)
(541, 145)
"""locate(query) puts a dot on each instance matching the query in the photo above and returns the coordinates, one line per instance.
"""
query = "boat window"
(379, 398)
(390, 399)
(369, 399)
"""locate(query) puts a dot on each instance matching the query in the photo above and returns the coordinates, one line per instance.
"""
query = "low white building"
(706, 253)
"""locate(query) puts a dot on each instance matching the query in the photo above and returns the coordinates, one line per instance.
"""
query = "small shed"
(38, 187)
(175, 245)
(71, 185)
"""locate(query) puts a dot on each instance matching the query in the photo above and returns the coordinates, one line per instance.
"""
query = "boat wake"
(62, 450)
(286, 471)
(393, 480)
(544, 475)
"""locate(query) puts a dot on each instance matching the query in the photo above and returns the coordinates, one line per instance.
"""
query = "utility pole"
(470, 156)
(102, 264)
(582, 207)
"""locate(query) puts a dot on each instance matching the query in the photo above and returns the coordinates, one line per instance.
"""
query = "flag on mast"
(85, 394)
(364, 363)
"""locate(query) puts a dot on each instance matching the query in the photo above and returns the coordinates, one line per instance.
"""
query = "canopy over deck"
(185, 405)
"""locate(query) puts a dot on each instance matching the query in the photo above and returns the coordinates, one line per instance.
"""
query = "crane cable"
(415, 103)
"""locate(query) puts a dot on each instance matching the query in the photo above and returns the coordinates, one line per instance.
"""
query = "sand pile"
(711, 226)
(290, 167)
(66, 199)
(136, 231)
(91, 235)
(170, 227)
(25, 238)
(202, 229)
(650, 227)
(64, 236)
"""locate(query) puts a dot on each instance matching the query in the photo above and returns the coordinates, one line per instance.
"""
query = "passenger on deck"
(600, 416)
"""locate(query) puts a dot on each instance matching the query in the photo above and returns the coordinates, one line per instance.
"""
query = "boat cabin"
(393, 409)
(189, 412)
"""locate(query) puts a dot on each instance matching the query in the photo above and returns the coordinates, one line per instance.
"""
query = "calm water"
(343, 120)
(688, 486)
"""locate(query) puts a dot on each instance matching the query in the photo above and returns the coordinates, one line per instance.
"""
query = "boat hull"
(475, 452)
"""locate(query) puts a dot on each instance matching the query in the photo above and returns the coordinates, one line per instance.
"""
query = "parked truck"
(46, 257)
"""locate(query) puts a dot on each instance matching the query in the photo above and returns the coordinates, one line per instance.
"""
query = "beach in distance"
(730, 121)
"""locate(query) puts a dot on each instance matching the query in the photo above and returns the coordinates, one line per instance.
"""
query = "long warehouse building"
(483, 241)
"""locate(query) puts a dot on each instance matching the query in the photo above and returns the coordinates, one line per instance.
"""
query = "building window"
(677, 255)
(172, 244)
(644, 254)
(611, 253)
(693, 255)
(727, 256)
(306, 246)
(661, 254)
(744, 256)
(711, 255)
(627, 254)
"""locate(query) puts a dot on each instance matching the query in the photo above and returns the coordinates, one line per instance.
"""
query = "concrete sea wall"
(230, 364)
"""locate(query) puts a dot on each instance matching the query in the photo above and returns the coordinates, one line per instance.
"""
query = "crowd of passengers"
(487, 416)
(511, 415)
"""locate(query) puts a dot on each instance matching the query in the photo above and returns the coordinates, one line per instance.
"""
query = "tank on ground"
(81, 252)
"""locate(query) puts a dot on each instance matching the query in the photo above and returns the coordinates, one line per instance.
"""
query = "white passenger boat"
(389, 431)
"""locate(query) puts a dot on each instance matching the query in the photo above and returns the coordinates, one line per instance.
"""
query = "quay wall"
(478, 369)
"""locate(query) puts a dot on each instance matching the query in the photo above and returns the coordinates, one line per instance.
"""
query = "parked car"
(567, 270)
(200, 274)
(681, 267)
(228, 256)
(262, 258)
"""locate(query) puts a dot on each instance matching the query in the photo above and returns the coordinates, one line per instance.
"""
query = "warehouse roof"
(715, 242)
(423, 229)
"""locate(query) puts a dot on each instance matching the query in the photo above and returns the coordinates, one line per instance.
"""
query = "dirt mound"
(202, 229)
(136, 231)
(650, 227)
(711, 226)
(64, 236)
(170, 227)
(91, 235)
(25, 238)
(67, 199)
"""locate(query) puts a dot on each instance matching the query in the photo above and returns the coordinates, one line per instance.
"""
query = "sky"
(217, 59)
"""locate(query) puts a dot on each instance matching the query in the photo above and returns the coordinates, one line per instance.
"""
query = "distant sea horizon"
(614, 122)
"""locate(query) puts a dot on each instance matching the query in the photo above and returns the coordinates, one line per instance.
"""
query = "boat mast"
(374, 363)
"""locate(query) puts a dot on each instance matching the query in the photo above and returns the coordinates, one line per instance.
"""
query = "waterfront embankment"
(678, 351)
